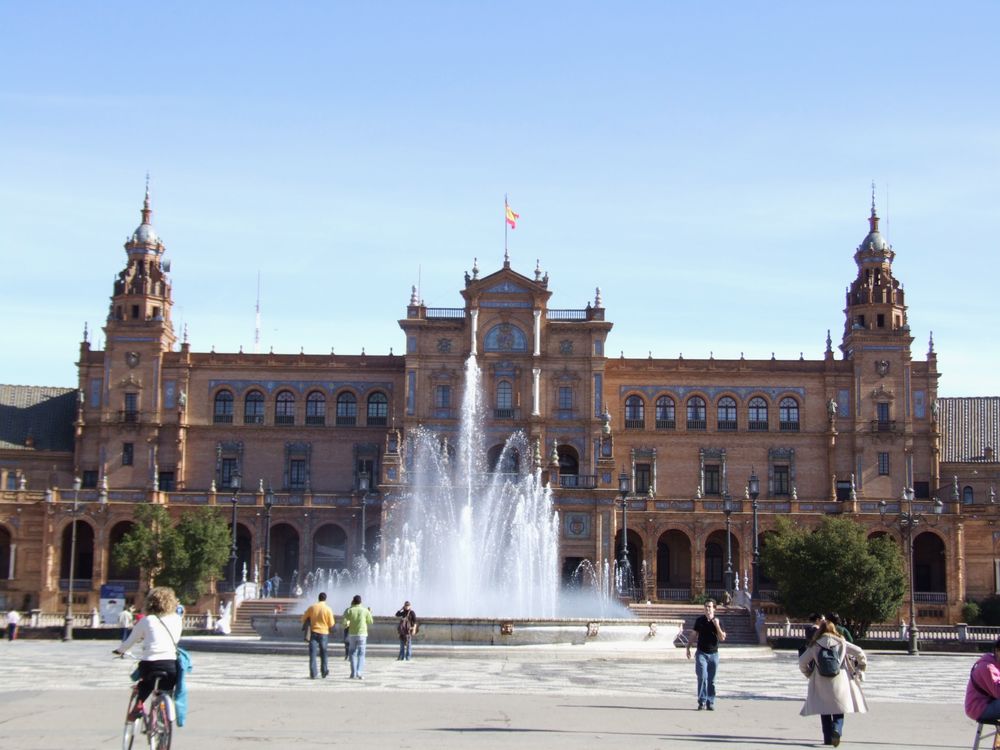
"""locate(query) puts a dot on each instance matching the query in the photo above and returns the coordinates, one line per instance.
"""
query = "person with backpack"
(407, 629)
(835, 670)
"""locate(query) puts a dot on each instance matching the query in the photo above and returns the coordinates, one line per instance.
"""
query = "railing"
(883, 425)
(578, 481)
(937, 597)
(128, 416)
(445, 312)
(635, 424)
(284, 419)
(315, 419)
(697, 424)
(666, 424)
(727, 424)
(674, 594)
(80, 585)
(757, 425)
(346, 421)
(566, 314)
(885, 632)
(252, 419)
(377, 421)
(788, 426)
(505, 413)
(222, 418)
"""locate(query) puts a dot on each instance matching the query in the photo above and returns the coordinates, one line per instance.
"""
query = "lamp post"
(727, 508)
(363, 486)
(268, 504)
(68, 622)
(906, 520)
(753, 487)
(624, 566)
(234, 484)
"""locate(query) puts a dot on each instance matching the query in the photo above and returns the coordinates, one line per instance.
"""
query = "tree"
(186, 556)
(836, 568)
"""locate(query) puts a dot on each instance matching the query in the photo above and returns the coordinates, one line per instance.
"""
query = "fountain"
(475, 547)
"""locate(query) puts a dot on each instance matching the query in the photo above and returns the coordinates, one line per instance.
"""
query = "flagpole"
(505, 222)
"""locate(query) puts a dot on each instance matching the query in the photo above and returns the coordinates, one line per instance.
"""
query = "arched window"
(505, 401)
(788, 415)
(696, 419)
(378, 410)
(635, 413)
(347, 409)
(757, 413)
(666, 413)
(222, 412)
(253, 408)
(727, 413)
(315, 408)
(284, 408)
(968, 496)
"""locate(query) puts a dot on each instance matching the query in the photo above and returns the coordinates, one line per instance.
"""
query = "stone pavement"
(54, 695)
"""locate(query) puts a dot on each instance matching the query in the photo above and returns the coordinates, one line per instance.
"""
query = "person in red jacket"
(982, 695)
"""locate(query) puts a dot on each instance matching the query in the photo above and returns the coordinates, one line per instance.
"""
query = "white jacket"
(154, 633)
(834, 695)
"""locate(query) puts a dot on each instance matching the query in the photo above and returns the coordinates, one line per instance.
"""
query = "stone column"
(475, 330)
(536, 375)
(538, 332)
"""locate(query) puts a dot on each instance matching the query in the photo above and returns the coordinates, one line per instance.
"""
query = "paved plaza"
(57, 695)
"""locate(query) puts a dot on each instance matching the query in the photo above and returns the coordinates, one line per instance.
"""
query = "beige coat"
(834, 695)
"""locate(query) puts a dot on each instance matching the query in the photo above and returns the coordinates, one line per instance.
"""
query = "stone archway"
(284, 553)
(83, 567)
(673, 566)
(127, 574)
(716, 561)
(929, 565)
(330, 547)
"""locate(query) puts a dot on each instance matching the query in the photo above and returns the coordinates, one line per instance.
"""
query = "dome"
(874, 241)
(145, 235)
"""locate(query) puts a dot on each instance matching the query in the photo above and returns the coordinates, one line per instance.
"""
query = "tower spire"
(147, 212)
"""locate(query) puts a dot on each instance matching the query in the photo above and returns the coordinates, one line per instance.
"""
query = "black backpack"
(828, 661)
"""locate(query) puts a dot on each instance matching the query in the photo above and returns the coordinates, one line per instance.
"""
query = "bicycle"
(156, 722)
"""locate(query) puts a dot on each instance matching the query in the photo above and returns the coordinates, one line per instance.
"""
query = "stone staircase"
(735, 621)
(256, 607)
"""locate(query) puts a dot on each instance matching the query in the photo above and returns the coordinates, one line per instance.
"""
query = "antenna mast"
(256, 330)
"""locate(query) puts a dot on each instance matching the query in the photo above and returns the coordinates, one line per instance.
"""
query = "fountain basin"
(444, 631)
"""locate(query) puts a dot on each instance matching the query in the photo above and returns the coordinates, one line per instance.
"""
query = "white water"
(467, 542)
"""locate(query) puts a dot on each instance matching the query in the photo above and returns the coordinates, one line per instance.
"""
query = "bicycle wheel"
(132, 726)
(160, 728)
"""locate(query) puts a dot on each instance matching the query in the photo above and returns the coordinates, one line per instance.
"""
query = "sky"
(707, 165)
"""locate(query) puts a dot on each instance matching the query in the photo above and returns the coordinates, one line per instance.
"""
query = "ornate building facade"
(307, 452)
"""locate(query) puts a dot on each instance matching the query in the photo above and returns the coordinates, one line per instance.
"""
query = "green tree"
(836, 568)
(186, 556)
(149, 544)
(204, 538)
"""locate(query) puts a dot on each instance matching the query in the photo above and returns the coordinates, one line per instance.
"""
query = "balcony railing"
(566, 314)
(578, 481)
(445, 312)
(344, 421)
(674, 594)
(504, 413)
(757, 425)
(666, 424)
(315, 419)
(727, 425)
(635, 424)
(937, 597)
(789, 426)
(222, 418)
(377, 421)
(883, 425)
(696, 424)
(128, 416)
(252, 419)
(284, 419)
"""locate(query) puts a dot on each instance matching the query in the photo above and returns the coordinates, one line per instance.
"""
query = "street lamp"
(727, 508)
(753, 488)
(68, 622)
(268, 504)
(363, 486)
(234, 484)
(624, 567)
(906, 520)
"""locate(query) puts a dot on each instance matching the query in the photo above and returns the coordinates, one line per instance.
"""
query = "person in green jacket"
(356, 621)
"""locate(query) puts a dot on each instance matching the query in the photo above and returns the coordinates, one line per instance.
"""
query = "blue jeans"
(991, 712)
(404, 647)
(317, 642)
(356, 650)
(705, 666)
(831, 723)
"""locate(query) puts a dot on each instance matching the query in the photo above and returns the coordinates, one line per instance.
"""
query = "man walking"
(709, 632)
(319, 618)
(407, 628)
(356, 620)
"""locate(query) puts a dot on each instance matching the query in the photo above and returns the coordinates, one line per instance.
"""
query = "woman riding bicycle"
(158, 633)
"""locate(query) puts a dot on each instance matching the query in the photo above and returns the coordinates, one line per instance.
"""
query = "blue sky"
(708, 165)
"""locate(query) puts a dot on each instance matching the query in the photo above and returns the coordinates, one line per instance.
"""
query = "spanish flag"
(511, 216)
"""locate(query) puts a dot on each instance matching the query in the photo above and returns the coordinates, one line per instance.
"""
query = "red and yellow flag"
(511, 216)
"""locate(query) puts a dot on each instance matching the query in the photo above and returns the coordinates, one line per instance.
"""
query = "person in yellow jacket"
(356, 621)
(319, 620)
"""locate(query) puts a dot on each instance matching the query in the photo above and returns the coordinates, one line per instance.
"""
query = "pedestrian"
(125, 620)
(835, 670)
(982, 694)
(357, 619)
(708, 630)
(407, 629)
(13, 620)
(841, 628)
(319, 619)
(815, 621)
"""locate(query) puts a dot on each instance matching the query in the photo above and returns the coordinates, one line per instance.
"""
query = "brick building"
(286, 442)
